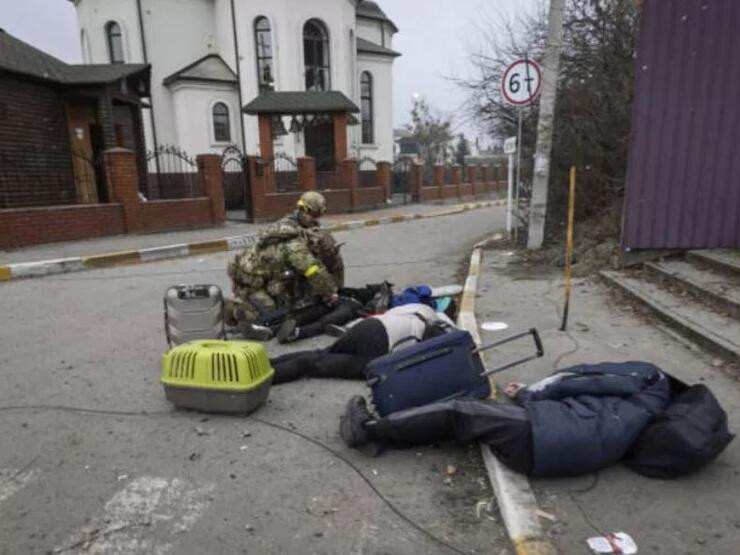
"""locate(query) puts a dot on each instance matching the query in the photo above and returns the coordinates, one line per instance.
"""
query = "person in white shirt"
(398, 328)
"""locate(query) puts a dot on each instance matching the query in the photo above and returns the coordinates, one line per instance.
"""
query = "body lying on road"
(371, 338)
(576, 421)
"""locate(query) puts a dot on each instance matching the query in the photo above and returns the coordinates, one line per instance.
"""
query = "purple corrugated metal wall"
(683, 175)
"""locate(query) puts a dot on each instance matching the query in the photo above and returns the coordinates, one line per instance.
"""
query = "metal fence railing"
(367, 172)
(327, 180)
(285, 170)
(171, 174)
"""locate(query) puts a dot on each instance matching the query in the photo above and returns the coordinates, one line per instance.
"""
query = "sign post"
(520, 86)
(510, 148)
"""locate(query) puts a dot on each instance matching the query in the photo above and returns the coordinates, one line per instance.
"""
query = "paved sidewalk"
(136, 242)
(695, 514)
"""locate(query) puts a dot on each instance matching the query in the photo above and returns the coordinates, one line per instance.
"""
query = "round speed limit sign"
(521, 82)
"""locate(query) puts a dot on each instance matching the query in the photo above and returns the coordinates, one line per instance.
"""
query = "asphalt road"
(77, 482)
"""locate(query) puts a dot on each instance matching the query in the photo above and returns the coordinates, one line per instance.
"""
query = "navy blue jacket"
(586, 417)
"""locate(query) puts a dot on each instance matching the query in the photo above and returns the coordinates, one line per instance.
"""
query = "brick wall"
(428, 193)
(369, 197)
(32, 226)
(35, 165)
(449, 191)
(159, 215)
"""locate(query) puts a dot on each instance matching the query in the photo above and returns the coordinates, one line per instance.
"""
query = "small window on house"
(366, 102)
(115, 42)
(221, 126)
(263, 48)
(316, 56)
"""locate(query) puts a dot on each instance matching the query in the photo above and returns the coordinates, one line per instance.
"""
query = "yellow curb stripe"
(370, 223)
(112, 259)
(338, 227)
(468, 303)
(5, 273)
(206, 247)
(533, 546)
(395, 219)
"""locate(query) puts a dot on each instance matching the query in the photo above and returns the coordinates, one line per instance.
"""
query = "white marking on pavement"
(144, 517)
(12, 480)
(494, 326)
(367, 536)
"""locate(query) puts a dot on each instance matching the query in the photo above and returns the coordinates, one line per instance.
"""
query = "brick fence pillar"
(471, 177)
(417, 180)
(122, 175)
(350, 179)
(457, 179)
(258, 187)
(438, 177)
(307, 173)
(212, 184)
(384, 178)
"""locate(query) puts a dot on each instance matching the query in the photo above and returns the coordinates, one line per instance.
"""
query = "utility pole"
(538, 205)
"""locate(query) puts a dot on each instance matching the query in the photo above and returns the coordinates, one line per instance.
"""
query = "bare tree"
(431, 131)
(593, 112)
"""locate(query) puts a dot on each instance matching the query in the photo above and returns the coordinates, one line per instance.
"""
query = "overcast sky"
(435, 38)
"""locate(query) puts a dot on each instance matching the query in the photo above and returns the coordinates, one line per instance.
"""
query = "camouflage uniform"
(326, 249)
(279, 270)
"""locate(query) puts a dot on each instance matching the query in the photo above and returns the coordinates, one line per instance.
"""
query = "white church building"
(210, 58)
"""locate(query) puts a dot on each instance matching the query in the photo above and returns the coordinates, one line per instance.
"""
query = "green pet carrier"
(217, 376)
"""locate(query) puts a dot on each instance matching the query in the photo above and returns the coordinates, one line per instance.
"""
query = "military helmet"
(313, 203)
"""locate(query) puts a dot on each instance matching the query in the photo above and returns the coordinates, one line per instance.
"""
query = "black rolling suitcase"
(444, 367)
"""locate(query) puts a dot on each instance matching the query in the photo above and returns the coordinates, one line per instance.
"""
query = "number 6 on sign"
(521, 82)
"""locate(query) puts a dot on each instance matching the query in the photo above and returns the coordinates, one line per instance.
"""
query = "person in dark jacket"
(575, 421)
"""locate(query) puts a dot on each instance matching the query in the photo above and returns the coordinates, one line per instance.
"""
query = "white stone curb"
(516, 500)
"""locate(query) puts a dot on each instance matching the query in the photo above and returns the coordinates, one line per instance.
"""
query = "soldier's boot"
(247, 327)
(254, 332)
(288, 332)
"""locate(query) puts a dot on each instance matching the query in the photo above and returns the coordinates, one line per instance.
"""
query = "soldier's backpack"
(193, 312)
(688, 434)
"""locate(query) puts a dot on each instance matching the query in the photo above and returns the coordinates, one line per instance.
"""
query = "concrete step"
(723, 260)
(716, 289)
(717, 333)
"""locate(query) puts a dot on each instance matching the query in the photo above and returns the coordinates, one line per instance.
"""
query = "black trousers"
(505, 427)
(347, 358)
(312, 321)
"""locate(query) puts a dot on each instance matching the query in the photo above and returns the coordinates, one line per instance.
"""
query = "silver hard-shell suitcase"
(193, 312)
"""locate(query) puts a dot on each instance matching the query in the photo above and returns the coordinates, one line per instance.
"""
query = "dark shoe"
(334, 330)
(254, 332)
(352, 423)
(288, 332)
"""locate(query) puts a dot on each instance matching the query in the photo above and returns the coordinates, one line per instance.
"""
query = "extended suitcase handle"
(537, 342)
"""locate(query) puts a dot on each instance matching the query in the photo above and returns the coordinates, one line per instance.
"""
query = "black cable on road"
(398, 512)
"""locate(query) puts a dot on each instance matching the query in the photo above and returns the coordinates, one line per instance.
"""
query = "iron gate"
(235, 170)
(402, 178)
